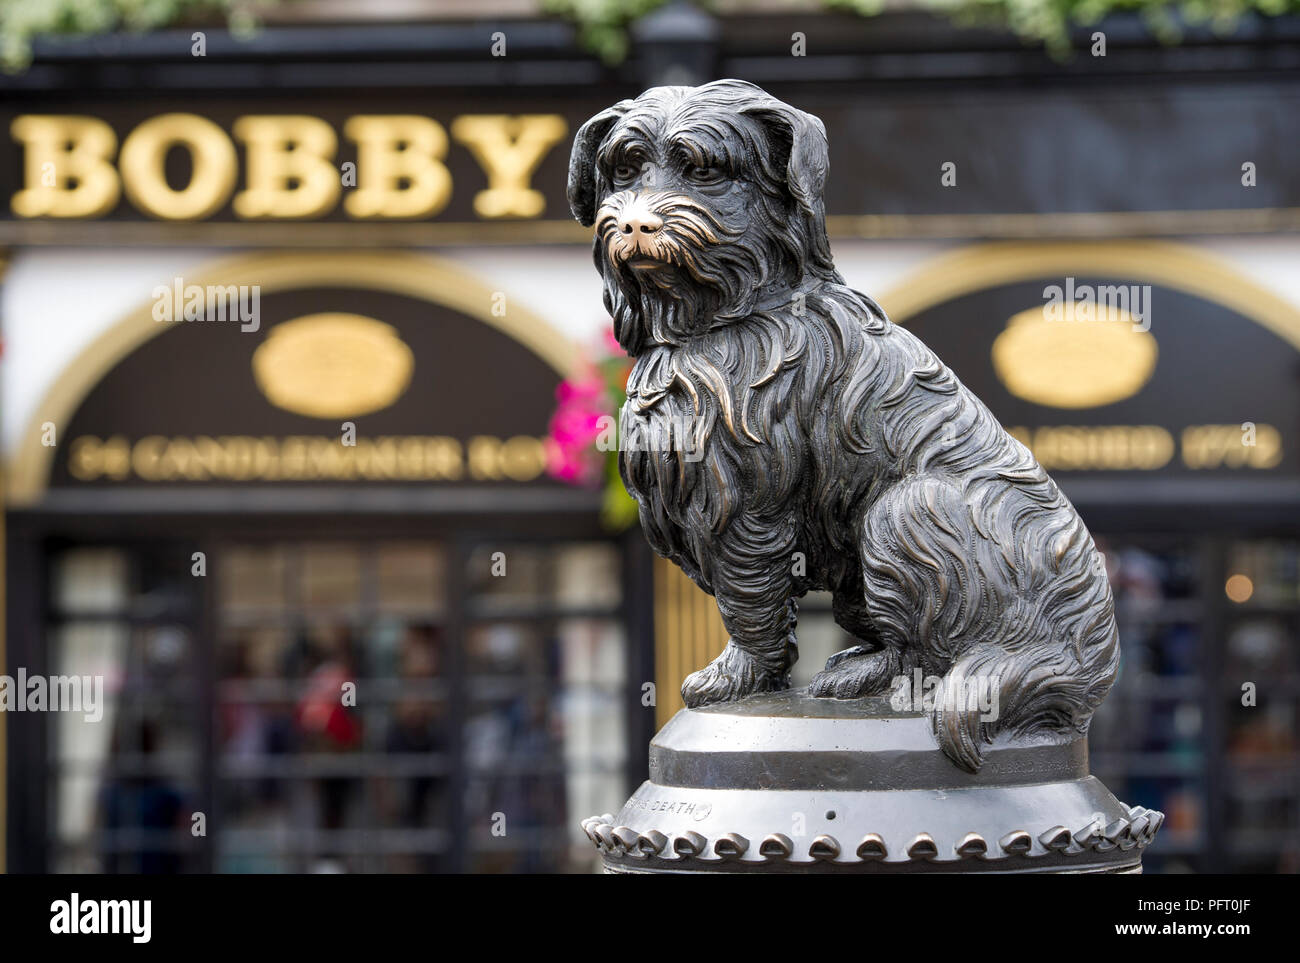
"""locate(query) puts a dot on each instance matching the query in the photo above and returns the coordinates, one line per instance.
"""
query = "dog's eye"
(704, 175)
(624, 173)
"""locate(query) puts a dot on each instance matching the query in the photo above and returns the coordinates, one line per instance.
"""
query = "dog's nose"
(640, 222)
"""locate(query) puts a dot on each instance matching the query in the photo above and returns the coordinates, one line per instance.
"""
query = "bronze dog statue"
(793, 438)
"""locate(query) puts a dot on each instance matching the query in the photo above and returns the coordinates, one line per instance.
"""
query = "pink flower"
(571, 452)
(583, 405)
(587, 388)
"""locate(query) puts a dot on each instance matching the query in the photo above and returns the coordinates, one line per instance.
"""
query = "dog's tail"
(1049, 671)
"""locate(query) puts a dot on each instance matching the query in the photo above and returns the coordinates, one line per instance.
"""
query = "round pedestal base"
(785, 783)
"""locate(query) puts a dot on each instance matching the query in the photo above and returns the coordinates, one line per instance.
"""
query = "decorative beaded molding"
(1138, 830)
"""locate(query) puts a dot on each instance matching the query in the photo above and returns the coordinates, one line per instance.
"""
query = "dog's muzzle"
(643, 229)
(639, 228)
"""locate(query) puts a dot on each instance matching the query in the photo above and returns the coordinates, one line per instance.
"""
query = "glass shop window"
(361, 720)
(123, 775)
(369, 723)
(1261, 706)
(1149, 740)
(545, 735)
(332, 721)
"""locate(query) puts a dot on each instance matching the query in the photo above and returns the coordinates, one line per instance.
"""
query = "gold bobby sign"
(72, 167)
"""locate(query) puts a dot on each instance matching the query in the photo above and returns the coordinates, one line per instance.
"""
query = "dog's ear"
(805, 138)
(582, 162)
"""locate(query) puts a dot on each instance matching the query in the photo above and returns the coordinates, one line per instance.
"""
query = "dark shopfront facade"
(498, 637)
(227, 585)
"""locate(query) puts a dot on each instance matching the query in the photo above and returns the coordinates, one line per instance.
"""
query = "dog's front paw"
(854, 673)
(732, 675)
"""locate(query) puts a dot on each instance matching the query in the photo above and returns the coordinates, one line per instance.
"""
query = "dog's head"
(707, 202)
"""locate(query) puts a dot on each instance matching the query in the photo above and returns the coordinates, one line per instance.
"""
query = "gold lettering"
(116, 455)
(239, 458)
(67, 166)
(1267, 451)
(392, 150)
(181, 454)
(85, 460)
(485, 458)
(410, 459)
(444, 458)
(1197, 446)
(209, 456)
(376, 459)
(523, 458)
(146, 457)
(144, 158)
(1224, 446)
(1102, 448)
(290, 167)
(293, 457)
(509, 150)
(331, 460)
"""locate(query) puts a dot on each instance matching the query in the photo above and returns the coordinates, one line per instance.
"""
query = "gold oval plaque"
(333, 365)
(1070, 363)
